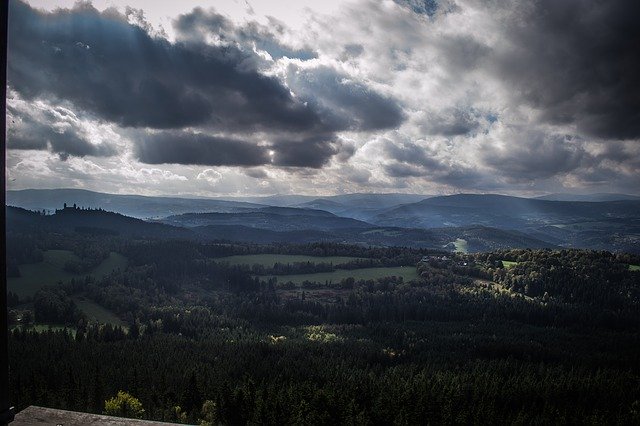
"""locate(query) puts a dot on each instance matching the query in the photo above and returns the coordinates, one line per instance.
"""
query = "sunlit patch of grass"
(508, 263)
(461, 245)
(276, 339)
(634, 267)
(318, 333)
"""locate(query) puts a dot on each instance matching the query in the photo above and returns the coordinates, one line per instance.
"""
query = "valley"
(281, 307)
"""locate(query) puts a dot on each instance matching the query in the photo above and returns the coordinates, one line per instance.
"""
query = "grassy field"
(97, 313)
(270, 259)
(51, 271)
(406, 272)
(461, 245)
(634, 267)
(36, 275)
(508, 263)
(113, 262)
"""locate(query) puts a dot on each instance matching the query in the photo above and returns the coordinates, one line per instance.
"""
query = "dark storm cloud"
(40, 131)
(313, 152)
(199, 23)
(410, 153)
(577, 61)
(346, 104)
(402, 170)
(451, 122)
(256, 173)
(410, 160)
(117, 71)
(114, 70)
(462, 52)
(535, 155)
(180, 147)
(185, 147)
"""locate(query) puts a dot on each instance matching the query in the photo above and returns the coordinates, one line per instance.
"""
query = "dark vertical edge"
(6, 411)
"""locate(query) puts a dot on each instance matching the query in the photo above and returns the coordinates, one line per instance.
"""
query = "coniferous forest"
(511, 336)
(358, 212)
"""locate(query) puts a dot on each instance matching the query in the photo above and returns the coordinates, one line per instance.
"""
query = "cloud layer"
(404, 95)
(117, 72)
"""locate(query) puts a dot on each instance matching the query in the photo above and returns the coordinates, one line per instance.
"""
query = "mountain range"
(458, 222)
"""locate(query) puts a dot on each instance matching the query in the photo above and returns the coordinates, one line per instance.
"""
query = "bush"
(124, 405)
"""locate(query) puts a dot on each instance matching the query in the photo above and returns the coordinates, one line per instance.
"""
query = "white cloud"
(210, 175)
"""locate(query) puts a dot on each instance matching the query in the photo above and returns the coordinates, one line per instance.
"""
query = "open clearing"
(461, 245)
(97, 313)
(634, 267)
(508, 263)
(36, 275)
(269, 260)
(51, 271)
(406, 272)
(112, 263)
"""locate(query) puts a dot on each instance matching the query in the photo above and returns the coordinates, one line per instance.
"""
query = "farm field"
(97, 313)
(114, 262)
(508, 263)
(36, 275)
(406, 272)
(51, 271)
(270, 259)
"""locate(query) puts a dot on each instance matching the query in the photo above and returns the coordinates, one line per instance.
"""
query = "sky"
(247, 97)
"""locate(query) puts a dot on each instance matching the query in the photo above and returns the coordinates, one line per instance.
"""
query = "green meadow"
(461, 245)
(34, 276)
(96, 313)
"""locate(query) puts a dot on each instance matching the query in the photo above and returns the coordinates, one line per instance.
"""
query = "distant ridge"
(378, 219)
(138, 206)
(89, 221)
(599, 197)
(356, 206)
(264, 229)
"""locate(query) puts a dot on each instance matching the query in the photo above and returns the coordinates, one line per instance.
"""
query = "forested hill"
(271, 224)
(137, 206)
(601, 222)
(271, 218)
(90, 221)
(514, 212)
(206, 333)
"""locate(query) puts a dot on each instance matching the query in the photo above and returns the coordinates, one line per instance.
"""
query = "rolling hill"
(137, 206)
(270, 218)
(92, 222)
(475, 221)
